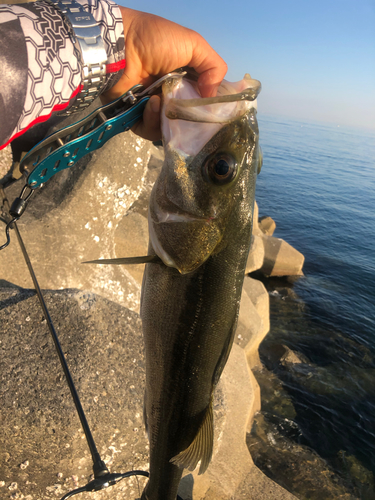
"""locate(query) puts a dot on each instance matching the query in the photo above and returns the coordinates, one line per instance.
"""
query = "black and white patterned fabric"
(40, 70)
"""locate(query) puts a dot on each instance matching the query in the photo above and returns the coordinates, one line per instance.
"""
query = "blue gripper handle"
(68, 155)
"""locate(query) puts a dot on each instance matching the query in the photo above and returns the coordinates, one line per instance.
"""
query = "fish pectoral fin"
(201, 447)
(146, 259)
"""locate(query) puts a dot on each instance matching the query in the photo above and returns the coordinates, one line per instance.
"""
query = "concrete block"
(256, 230)
(232, 470)
(280, 258)
(267, 225)
(256, 254)
(250, 330)
(258, 295)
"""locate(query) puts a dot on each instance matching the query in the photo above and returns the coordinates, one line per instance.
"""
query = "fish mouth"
(157, 246)
(176, 246)
(170, 212)
(159, 217)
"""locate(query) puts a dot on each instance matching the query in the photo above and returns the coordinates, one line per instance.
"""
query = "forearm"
(41, 72)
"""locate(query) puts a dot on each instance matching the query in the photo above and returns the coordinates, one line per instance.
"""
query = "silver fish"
(200, 221)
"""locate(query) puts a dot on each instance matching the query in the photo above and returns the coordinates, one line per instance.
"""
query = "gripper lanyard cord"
(98, 464)
(102, 477)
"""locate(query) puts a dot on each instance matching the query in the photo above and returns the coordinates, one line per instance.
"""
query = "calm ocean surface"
(318, 184)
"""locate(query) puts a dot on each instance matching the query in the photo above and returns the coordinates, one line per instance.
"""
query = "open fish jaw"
(182, 134)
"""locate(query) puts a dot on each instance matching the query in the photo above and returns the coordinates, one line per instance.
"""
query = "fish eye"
(219, 168)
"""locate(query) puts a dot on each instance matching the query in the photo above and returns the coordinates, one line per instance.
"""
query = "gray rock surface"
(131, 240)
(5, 160)
(291, 357)
(77, 217)
(43, 451)
(104, 348)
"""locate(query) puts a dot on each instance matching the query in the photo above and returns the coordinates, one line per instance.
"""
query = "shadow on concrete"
(185, 489)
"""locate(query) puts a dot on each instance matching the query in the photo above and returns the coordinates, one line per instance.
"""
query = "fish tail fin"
(201, 447)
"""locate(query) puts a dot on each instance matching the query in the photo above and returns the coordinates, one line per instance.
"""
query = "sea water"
(318, 184)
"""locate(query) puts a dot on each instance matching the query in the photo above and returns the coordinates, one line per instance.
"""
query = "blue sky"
(315, 58)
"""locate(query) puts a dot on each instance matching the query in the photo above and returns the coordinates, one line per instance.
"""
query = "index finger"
(208, 64)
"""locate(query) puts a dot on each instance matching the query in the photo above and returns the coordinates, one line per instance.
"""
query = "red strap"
(44, 118)
(112, 68)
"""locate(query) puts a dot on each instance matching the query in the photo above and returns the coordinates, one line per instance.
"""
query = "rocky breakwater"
(269, 256)
(99, 210)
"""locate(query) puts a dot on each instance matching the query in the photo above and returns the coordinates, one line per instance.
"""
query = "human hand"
(155, 46)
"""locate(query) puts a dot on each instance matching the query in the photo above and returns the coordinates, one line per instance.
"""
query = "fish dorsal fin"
(201, 447)
(126, 260)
